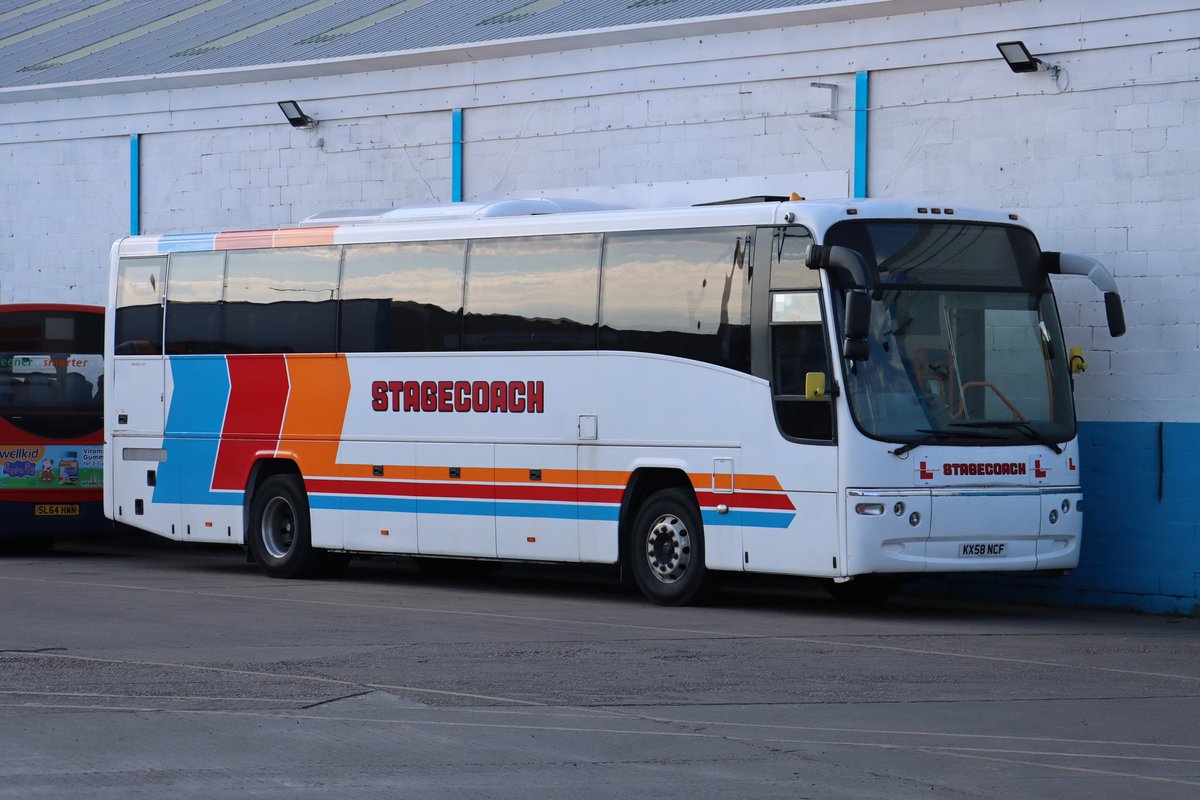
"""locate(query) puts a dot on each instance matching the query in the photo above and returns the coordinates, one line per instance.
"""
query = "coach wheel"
(667, 549)
(280, 536)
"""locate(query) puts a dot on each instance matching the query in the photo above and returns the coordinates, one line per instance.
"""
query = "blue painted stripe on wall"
(862, 97)
(456, 155)
(135, 184)
(1139, 551)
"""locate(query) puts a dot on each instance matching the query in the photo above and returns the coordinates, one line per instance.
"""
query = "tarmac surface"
(140, 668)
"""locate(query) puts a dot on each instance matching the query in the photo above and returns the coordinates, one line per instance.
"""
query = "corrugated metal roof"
(65, 41)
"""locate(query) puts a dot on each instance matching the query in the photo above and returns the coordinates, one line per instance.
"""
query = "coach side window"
(195, 291)
(281, 300)
(532, 293)
(679, 293)
(138, 324)
(402, 297)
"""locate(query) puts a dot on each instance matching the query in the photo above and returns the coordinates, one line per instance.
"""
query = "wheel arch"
(263, 469)
(643, 483)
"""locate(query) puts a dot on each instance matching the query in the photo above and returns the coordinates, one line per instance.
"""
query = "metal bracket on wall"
(815, 97)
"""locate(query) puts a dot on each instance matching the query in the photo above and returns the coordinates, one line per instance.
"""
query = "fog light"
(1079, 505)
(898, 509)
(914, 518)
(1066, 506)
(869, 509)
(1053, 515)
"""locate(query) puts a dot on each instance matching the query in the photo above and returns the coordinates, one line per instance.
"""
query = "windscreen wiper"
(1020, 425)
(932, 435)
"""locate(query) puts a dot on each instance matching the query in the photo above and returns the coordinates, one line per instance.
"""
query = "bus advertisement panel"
(857, 391)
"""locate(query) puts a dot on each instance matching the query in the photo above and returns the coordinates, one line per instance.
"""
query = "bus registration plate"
(982, 550)
(56, 510)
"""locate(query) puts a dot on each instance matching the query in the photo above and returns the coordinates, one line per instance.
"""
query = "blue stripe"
(747, 519)
(187, 242)
(862, 96)
(198, 413)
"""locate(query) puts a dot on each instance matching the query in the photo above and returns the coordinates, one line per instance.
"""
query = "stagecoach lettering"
(481, 397)
(983, 469)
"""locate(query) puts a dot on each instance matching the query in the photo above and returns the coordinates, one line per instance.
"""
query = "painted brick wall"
(1106, 161)
(61, 206)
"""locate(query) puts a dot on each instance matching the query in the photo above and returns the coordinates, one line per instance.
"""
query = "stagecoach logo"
(928, 471)
(504, 397)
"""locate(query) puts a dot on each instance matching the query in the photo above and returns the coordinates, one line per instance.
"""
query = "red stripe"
(258, 392)
(746, 500)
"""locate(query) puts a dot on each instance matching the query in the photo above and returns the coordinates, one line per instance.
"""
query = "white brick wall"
(1107, 162)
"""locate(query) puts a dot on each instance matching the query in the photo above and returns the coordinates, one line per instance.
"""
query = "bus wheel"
(279, 529)
(667, 549)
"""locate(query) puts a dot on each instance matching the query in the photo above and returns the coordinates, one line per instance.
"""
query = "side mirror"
(858, 325)
(814, 386)
(1115, 313)
(1077, 264)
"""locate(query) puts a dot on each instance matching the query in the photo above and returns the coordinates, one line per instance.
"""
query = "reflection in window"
(532, 293)
(789, 270)
(399, 297)
(139, 306)
(281, 301)
(679, 293)
(195, 290)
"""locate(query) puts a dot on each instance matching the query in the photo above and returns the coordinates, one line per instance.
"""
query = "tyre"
(280, 535)
(865, 590)
(666, 549)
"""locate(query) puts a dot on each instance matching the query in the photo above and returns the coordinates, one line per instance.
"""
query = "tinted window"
(680, 293)
(195, 289)
(51, 362)
(798, 349)
(532, 293)
(139, 306)
(281, 301)
(402, 297)
(945, 253)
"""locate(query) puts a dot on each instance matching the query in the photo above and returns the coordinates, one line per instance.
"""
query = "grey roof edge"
(476, 51)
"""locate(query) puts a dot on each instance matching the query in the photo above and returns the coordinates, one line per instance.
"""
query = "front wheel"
(280, 535)
(667, 549)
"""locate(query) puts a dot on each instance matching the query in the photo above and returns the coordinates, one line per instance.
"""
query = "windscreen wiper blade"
(1019, 425)
(932, 435)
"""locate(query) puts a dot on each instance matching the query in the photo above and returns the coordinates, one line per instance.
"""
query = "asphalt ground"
(145, 668)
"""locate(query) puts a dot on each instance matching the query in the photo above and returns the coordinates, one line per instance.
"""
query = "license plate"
(56, 510)
(982, 550)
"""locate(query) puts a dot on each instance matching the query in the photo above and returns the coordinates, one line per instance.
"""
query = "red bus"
(51, 420)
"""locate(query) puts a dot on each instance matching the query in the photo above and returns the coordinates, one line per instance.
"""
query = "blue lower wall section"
(1141, 530)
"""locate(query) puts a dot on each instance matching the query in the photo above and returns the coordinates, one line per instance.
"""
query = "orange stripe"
(742, 482)
(299, 237)
(311, 425)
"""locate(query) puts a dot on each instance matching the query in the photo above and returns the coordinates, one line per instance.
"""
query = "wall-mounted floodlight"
(295, 117)
(1019, 59)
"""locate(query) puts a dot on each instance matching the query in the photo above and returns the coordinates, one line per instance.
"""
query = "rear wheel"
(667, 549)
(280, 534)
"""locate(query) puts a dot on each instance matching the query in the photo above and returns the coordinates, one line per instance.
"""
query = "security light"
(1018, 57)
(295, 117)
